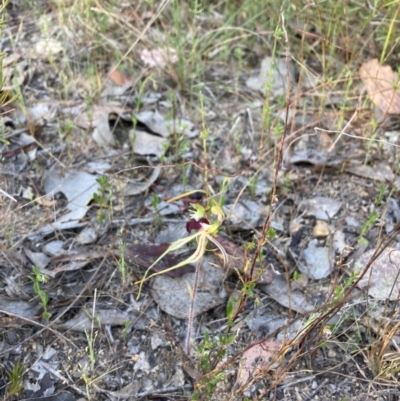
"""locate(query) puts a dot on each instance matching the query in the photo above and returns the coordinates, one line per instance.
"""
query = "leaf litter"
(68, 241)
(381, 83)
(382, 280)
(255, 359)
(159, 58)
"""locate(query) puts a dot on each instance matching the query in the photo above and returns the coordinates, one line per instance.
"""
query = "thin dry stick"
(191, 309)
(343, 131)
(267, 221)
(7, 195)
(57, 374)
(35, 323)
(279, 159)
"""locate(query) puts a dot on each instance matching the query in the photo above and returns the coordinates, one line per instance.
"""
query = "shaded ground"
(123, 108)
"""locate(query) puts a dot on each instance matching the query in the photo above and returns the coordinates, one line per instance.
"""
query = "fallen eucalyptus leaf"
(381, 83)
(382, 279)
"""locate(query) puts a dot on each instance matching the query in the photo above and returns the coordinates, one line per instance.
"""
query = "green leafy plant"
(339, 291)
(39, 278)
(185, 175)
(155, 202)
(126, 328)
(16, 376)
(90, 339)
(297, 275)
(121, 263)
(211, 352)
(252, 186)
(379, 198)
(103, 197)
(225, 184)
(373, 217)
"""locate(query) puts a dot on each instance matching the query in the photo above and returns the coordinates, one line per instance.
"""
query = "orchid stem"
(191, 308)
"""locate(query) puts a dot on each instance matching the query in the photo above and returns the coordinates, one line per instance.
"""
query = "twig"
(163, 390)
(7, 195)
(364, 396)
(35, 323)
(343, 131)
(59, 376)
(295, 382)
(317, 390)
(279, 157)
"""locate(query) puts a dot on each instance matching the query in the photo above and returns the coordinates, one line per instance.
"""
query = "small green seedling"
(373, 217)
(341, 290)
(121, 263)
(211, 353)
(103, 197)
(125, 331)
(379, 198)
(16, 379)
(296, 275)
(271, 233)
(155, 202)
(90, 339)
(253, 186)
(39, 278)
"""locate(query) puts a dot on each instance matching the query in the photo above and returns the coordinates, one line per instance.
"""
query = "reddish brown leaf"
(45, 202)
(256, 358)
(145, 254)
(382, 85)
(382, 280)
(118, 78)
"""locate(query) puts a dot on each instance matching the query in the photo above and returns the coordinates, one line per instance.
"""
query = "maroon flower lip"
(194, 224)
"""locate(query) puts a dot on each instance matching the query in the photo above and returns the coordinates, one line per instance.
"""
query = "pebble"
(332, 353)
(321, 229)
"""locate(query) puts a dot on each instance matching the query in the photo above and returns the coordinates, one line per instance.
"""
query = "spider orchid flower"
(205, 232)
